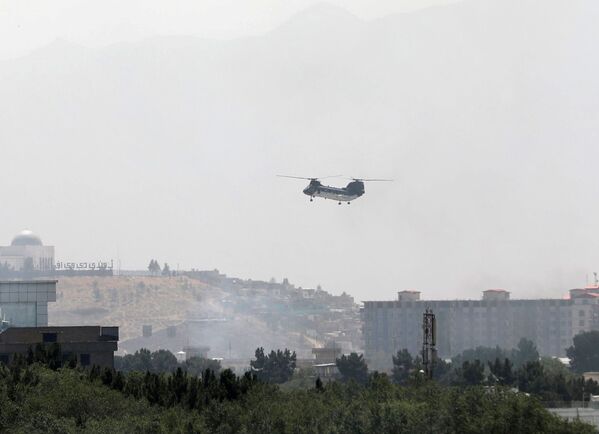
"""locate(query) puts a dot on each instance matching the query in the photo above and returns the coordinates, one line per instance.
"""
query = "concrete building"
(495, 320)
(328, 354)
(27, 253)
(89, 345)
(196, 351)
(24, 303)
(325, 361)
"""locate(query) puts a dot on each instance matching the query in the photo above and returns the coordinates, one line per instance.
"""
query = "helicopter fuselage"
(352, 191)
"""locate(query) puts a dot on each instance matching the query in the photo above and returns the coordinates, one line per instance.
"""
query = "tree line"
(36, 398)
(163, 361)
(155, 269)
(520, 368)
(151, 392)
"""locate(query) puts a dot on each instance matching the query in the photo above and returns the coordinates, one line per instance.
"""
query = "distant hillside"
(231, 316)
(130, 302)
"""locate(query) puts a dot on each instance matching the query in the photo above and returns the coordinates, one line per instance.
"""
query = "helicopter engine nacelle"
(355, 187)
(312, 188)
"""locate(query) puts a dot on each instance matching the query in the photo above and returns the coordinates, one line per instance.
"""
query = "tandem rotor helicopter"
(351, 191)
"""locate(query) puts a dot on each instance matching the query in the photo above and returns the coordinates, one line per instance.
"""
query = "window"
(581, 313)
(4, 358)
(49, 337)
(84, 359)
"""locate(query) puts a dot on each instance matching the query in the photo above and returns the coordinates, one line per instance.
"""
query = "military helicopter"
(351, 191)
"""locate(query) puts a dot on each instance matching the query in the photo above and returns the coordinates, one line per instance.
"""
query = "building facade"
(24, 303)
(495, 320)
(88, 345)
(27, 253)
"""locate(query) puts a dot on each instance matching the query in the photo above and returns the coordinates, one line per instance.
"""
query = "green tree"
(484, 354)
(164, 361)
(140, 361)
(353, 367)
(318, 385)
(531, 378)
(441, 370)
(526, 351)
(501, 372)
(276, 367)
(403, 364)
(584, 353)
(470, 373)
(197, 365)
(166, 270)
(154, 267)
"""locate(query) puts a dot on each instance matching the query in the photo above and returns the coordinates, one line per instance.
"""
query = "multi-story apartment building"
(495, 320)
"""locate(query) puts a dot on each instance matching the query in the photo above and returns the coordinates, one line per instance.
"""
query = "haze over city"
(273, 217)
(160, 137)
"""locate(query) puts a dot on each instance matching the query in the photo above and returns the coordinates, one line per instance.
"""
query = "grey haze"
(486, 113)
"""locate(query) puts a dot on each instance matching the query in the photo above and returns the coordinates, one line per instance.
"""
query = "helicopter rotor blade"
(295, 177)
(369, 179)
(310, 179)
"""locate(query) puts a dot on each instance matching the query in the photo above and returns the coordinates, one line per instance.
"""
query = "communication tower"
(429, 351)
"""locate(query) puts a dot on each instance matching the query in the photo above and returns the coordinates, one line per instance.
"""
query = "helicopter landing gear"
(312, 199)
(339, 203)
(348, 203)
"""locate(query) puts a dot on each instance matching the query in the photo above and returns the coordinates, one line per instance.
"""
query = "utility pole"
(429, 351)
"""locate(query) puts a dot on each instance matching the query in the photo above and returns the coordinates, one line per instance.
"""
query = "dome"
(26, 238)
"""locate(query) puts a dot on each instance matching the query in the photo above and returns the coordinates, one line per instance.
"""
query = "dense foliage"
(353, 367)
(546, 378)
(403, 366)
(163, 361)
(584, 354)
(43, 393)
(276, 367)
(35, 399)
(524, 352)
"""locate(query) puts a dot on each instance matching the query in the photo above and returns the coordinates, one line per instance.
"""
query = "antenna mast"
(429, 351)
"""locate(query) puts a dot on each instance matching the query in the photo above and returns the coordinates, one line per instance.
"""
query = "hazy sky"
(485, 112)
(28, 24)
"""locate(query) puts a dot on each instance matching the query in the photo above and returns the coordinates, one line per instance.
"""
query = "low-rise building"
(196, 351)
(88, 345)
(325, 361)
(328, 354)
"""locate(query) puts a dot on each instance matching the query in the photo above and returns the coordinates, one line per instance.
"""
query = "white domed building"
(27, 253)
